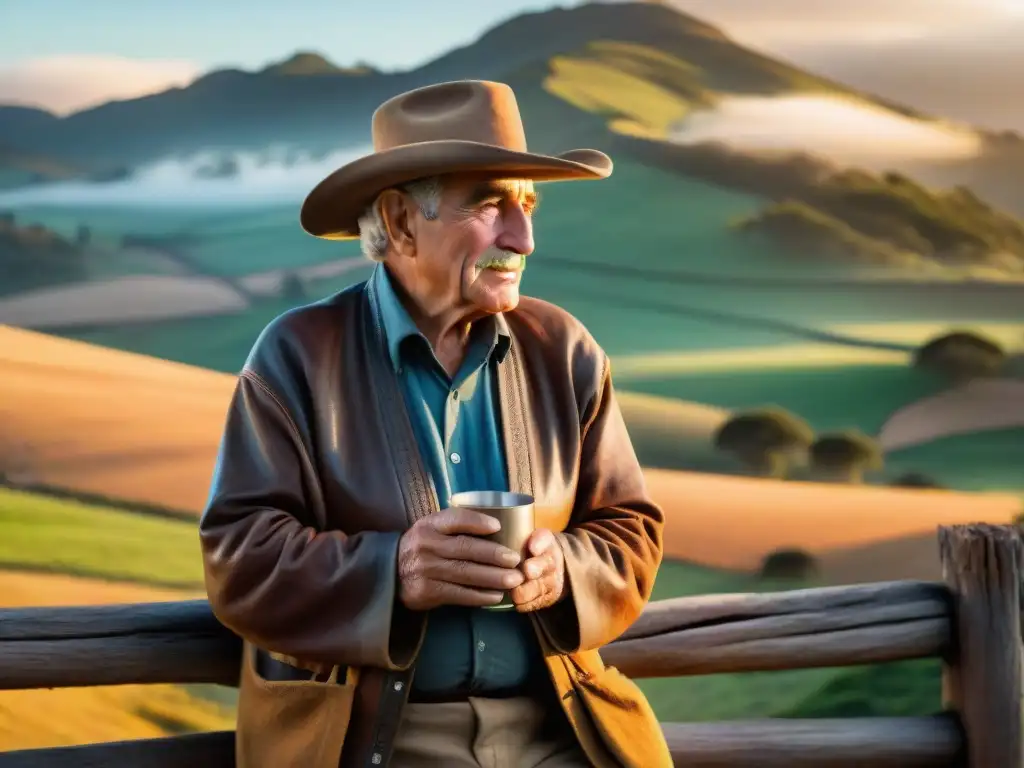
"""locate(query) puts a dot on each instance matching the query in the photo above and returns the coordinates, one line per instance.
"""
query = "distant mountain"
(306, 63)
(618, 76)
(309, 102)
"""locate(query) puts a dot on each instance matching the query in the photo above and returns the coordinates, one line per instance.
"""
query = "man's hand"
(441, 561)
(545, 574)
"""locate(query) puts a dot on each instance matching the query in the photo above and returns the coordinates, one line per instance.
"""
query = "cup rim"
(518, 500)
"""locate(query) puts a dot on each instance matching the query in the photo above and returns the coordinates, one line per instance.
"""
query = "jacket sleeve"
(272, 575)
(613, 544)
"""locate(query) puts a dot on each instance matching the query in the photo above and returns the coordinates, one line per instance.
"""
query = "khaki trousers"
(486, 733)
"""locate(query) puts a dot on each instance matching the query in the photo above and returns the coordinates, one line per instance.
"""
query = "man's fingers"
(446, 593)
(475, 550)
(536, 567)
(454, 521)
(533, 605)
(540, 541)
(528, 592)
(474, 574)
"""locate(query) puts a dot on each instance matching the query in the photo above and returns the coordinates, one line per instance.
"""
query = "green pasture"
(65, 536)
(222, 342)
(108, 221)
(981, 461)
(829, 398)
(265, 246)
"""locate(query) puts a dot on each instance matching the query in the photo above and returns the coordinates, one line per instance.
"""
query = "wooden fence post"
(982, 565)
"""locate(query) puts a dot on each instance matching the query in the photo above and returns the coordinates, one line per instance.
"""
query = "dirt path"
(977, 406)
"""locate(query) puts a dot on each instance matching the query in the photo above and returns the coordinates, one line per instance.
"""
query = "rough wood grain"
(184, 643)
(878, 742)
(672, 655)
(678, 613)
(165, 642)
(117, 660)
(199, 750)
(829, 627)
(982, 565)
(57, 623)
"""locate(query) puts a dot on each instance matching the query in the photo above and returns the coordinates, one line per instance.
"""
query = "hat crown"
(465, 110)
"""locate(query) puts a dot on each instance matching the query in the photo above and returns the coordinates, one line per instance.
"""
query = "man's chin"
(494, 301)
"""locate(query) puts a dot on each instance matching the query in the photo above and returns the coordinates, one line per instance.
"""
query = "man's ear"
(397, 214)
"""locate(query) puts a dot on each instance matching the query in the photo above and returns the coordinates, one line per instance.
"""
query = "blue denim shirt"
(458, 429)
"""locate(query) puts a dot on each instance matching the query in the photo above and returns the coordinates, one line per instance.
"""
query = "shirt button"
(481, 646)
(455, 458)
(399, 685)
(455, 395)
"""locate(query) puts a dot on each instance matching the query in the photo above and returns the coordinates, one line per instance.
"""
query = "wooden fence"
(972, 621)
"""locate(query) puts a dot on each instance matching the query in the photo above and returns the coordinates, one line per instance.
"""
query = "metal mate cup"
(515, 512)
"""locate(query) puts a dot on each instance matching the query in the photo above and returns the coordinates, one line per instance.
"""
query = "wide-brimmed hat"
(467, 125)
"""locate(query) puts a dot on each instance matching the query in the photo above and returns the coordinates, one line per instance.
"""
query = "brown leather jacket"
(318, 476)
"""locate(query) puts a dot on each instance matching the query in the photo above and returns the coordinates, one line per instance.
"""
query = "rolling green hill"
(664, 259)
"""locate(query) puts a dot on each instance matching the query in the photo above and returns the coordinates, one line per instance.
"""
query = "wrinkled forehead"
(478, 187)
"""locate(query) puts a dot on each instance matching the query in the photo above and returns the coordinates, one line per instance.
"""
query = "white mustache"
(499, 259)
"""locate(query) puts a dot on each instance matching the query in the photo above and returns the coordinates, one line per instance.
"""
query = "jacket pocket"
(291, 722)
(621, 717)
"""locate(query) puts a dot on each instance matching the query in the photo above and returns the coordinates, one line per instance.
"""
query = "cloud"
(783, 22)
(968, 75)
(960, 59)
(843, 130)
(67, 83)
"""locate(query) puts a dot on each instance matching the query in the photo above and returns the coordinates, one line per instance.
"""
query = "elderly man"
(328, 541)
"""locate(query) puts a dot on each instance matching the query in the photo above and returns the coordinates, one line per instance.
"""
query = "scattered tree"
(790, 564)
(767, 441)
(961, 356)
(844, 457)
(916, 480)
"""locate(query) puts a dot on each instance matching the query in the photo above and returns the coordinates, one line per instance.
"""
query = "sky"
(70, 54)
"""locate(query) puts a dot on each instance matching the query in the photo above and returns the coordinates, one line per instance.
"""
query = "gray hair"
(373, 235)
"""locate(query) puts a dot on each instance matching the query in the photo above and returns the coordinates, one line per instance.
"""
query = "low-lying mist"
(844, 130)
(204, 179)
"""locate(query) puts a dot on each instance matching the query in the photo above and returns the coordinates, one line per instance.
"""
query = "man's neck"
(447, 328)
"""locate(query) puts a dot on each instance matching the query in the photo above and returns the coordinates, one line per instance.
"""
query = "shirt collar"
(398, 326)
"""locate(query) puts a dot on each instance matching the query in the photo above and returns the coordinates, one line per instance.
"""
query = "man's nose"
(517, 232)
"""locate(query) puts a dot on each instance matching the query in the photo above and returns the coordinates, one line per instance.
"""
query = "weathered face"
(473, 254)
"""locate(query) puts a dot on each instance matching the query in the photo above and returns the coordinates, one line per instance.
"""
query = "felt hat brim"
(332, 209)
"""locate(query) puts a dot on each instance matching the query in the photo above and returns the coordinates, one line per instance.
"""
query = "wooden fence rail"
(972, 621)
